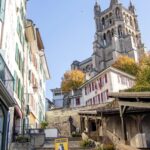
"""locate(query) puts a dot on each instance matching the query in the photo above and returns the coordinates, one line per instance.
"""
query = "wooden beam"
(134, 104)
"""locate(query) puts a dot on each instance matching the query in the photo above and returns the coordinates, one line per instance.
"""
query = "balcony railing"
(6, 76)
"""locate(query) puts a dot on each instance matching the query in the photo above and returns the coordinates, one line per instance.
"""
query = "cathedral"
(117, 33)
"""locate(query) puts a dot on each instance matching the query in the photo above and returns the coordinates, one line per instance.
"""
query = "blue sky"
(67, 28)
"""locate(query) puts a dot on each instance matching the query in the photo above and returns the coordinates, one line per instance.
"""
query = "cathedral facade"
(117, 33)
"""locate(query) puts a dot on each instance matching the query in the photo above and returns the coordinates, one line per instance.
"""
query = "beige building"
(36, 74)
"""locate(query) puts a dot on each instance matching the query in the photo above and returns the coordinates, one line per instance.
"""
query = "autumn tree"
(72, 80)
(140, 70)
(143, 75)
(127, 65)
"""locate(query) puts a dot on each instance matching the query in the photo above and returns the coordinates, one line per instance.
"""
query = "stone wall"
(20, 146)
(60, 119)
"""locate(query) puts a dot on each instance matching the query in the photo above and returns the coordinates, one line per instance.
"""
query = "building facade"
(36, 74)
(96, 90)
(117, 33)
(12, 51)
(24, 69)
(58, 97)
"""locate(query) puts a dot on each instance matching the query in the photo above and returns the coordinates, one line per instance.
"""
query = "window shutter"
(15, 80)
(19, 89)
(2, 10)
(105, 78)
(17, 51)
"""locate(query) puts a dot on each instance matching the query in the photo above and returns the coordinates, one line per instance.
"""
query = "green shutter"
(18, 30)
(22, 67)
(15, 80)
(22, 93)
(2, 9)
(16, 55)
(16, 90)
(19, 88)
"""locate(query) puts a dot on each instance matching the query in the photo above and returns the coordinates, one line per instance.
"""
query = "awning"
(18, 111)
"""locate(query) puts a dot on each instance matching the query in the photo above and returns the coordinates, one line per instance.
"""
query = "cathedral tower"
(117, 33)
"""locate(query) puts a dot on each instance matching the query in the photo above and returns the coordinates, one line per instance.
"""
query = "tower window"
(109, 37)
(117, 12)
(131, 23)
(112, 32)
(120, 33)
(110, 21)
(103, 22)
(104, 37)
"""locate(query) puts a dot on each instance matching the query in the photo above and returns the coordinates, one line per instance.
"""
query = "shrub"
(44, 124)
(87, 144)
(107, 147)
(139, 88)
(75, 134)
(22, 139)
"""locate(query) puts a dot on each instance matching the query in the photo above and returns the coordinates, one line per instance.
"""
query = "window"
(2, 9)
(17, 54)
(85, 91)
(77, 101)
(29, 76)
(99, 98)
(92, 86)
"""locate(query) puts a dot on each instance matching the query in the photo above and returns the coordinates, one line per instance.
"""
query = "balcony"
(6, 77)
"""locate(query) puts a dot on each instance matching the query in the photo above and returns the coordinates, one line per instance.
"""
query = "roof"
(85, 61)
(130, 95)
(56, 90)
(106, 70)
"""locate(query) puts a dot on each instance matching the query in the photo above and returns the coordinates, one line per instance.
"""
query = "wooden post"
(123, 123)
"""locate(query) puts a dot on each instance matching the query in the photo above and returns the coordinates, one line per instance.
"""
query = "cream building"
(36, 74)
(96, 90)
(24, 56)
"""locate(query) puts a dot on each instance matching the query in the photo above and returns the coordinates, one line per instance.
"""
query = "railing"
(6, 76)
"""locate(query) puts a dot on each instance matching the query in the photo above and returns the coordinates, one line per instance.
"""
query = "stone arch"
(120, 31)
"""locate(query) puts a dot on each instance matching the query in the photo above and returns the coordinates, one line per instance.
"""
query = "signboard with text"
(61, 144)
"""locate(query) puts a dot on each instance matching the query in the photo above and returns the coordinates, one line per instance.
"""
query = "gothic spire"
(131, 7)
(97, 8)
(113, 2)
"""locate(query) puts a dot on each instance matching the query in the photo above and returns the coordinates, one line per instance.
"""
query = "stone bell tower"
(117, 33)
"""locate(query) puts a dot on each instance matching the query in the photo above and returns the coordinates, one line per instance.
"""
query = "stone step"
(69, 149)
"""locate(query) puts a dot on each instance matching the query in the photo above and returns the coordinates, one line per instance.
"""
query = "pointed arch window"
(103, 22)
(120, 32)
(118, 12)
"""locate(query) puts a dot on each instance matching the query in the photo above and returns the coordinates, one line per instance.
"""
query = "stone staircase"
(74, 144)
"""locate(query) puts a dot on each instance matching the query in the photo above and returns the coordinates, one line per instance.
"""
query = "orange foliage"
(127, 65)
(72, 80)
